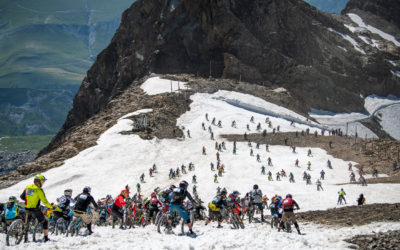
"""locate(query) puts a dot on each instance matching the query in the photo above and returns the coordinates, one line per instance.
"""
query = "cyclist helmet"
(236, 193)
(153, 196)
(184, 184)
(223, 192)
(87, 189)
(12, 199)
(172, 187)
(125, 193)
(255, 186)
(68, 192)
(288, 196)
(40, 178)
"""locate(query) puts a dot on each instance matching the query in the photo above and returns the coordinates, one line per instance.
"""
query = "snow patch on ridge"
(156, 85)
(349, 39)
(358, 20)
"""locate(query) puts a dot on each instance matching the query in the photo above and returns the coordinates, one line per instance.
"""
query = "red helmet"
(183, 184)
(153, 196)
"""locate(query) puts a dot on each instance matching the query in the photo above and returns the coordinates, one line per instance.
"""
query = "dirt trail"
(353, 215)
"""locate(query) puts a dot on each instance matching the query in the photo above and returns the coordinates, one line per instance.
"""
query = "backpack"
(11, 211)
(287, 203)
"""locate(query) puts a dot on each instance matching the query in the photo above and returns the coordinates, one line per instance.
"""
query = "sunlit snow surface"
(385, 108)
(156, 85)
(119, 159)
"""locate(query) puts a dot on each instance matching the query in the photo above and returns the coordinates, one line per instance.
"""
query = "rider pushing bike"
(176, 197)
(32, 196)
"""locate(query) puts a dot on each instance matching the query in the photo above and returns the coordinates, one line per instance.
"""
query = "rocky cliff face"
(282, 42)
(387, 10)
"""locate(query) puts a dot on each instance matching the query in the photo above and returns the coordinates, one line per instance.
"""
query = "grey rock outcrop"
(284, 42)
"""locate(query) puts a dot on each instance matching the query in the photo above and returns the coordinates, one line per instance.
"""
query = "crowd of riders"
(142, 211)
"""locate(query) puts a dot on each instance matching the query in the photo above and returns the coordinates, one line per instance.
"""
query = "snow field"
(119, 159)
(254, 236)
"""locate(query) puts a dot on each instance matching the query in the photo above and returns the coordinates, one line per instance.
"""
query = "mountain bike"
(21, 229)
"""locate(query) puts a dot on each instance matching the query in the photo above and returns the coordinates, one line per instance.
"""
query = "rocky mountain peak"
(286, 43)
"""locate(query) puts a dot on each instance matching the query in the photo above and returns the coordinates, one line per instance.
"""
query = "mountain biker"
(117, 208)
(341, 197)
(214, 208)
(265, 201)
(234, 199)
(12, 211)
(322, 174)
(274, 207)
(32, 196)
(154, 205)
(83, 201)
(256, 199)
(177, 196)
(288, 205)
(64, 204)
(361, 200)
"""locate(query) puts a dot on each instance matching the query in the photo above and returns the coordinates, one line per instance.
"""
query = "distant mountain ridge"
(47, 46)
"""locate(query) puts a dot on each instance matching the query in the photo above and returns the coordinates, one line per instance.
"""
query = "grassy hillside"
(331, 6)
(33, 143)
(46, 48)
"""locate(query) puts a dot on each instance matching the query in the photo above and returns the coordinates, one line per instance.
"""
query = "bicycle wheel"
(61, 226)
(162, 224)
(71, 227)
(233, 221)
(37, 231)
(15, 233)
(251, 214)
(239, 221)
(288, 226)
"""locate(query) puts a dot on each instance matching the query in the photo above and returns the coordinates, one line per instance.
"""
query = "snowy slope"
(387, 109)
(119, 159)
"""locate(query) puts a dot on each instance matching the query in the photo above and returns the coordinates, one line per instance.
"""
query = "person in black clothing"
(64, 203)
(177, 196)
(83, 201)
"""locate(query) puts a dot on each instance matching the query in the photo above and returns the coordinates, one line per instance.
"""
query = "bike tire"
(36, 230)
(61, 226)
(161, 223)
(70, 229)
(15, 233)
(239, 222)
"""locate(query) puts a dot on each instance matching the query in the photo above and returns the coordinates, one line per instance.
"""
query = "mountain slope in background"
(47, 46)
(330, 6)
(288, 43)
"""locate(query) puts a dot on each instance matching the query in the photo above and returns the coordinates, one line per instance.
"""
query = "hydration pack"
(287, 203)
(11, 211)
